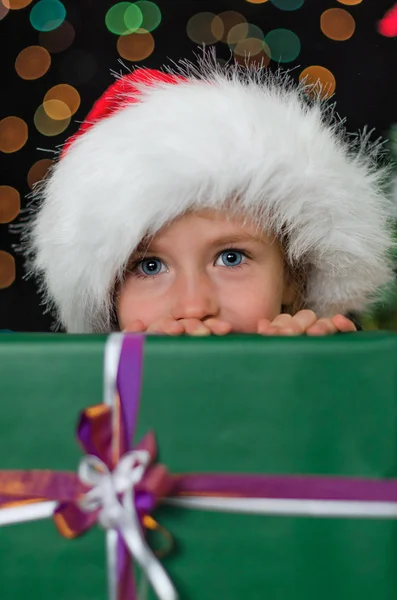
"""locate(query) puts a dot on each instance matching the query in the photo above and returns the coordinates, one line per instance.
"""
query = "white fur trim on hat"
(222, 133)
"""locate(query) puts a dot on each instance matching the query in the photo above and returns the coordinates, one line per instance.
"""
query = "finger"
(344, 324)
(322, 327)
(135, 327)
(263, 326)
(166, 325)
(218, 327)
(195, 327)
(295, 325)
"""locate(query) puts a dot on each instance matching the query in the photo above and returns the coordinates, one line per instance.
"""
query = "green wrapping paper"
(324, 406)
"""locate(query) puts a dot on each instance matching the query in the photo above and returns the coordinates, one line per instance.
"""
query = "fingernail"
(201, 331)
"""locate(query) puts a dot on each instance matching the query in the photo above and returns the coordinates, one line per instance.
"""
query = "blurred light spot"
(322, 80)
(77, 67)
(284, 45)
(287, 4)
(123, 18)
(7, 269)
(136, 46)
(261, 58)
(47, 126)
(57, 110)
(13, 134)
(242, 31)
(350, 2)
(47, 15)
(151, 15)
(32, 62)
(64, 93)
(59, 39)
(337, 24)
(38, 171)
(16, 4)
(388, 25)
(10, 203)
(3, 10)
(199, 28)
(249, 46)
(257, 1)
(217, 28)
(229, 19)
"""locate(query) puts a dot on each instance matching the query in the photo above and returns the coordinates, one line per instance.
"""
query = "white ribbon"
(121, 515)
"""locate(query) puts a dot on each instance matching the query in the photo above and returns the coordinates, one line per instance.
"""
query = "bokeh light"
(32, 62)
(151, 15)
(48, 126)
(7, 269)
(78, 66)
(13, 134)
(59, 39)
(38, 171)
(243, 31)
(322, 80)
(284, 45)
(16, 4)
(288, 4)
(10, 203)
(136, 46)
(229, 19)
(257, 1)
(199, 28)
(337, 24)
(251, 56)
(350, 2)
(47, 15)
(123, 18)
(3, 10)
(64, 93)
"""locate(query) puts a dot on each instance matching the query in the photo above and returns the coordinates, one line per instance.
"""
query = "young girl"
(211, 200)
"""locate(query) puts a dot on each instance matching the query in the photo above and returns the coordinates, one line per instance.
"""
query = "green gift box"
(235, 404)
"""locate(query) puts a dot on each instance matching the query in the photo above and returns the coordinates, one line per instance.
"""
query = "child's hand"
(170, 326)
(305, 322)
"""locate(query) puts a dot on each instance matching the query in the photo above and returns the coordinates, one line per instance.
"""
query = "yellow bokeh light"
(57, 110)
(47, 126)
(230, 19)
(13, 134)
(38, 171)
(350, 2)
(136, 46)
(16, 4)
(199, 28)
(7, 269)
(257, 1)
(10, 203)
(323, 82)
(64, 93)
(32, 62)
(337, 24)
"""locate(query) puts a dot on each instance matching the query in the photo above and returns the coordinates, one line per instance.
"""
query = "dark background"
(364, 66)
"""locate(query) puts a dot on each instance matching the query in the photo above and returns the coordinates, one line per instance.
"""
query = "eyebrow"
(148, 245)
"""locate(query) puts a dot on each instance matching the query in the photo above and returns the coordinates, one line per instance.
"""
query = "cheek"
(254, 297)
(134, 302)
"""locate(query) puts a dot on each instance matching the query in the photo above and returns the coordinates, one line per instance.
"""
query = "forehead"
(210, 224)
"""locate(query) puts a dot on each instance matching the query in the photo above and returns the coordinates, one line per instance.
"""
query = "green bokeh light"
(123, 18)
(151, 14)
(47, 15)
(284, 45)
(288, 4)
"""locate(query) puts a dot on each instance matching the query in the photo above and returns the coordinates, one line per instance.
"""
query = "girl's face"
(205, 265)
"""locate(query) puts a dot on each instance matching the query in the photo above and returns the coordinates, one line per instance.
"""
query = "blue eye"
(230, 258)
(150, 266)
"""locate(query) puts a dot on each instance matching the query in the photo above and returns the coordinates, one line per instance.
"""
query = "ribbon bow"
(112, 494)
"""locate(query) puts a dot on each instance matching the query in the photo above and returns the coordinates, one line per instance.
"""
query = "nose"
(194, 297)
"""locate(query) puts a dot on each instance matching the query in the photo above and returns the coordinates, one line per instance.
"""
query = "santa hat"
(159, 144)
